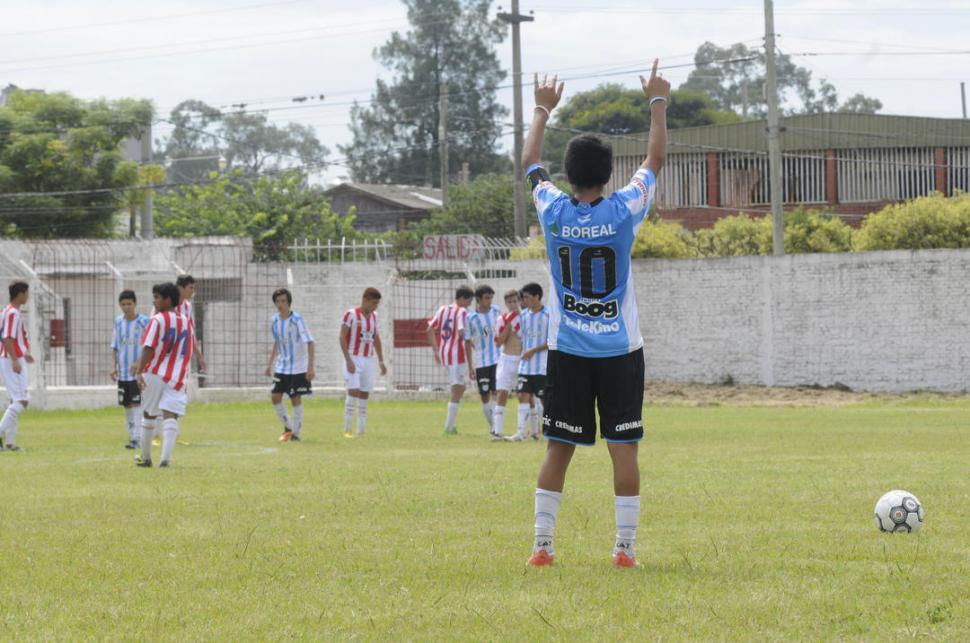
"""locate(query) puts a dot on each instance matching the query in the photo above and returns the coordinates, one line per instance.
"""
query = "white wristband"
(656, 98)
(545, 109)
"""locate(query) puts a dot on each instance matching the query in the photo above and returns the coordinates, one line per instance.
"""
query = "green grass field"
(757, 524)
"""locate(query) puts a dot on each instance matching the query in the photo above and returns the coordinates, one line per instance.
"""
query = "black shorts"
(128, 393)
(293, 385)
(613, 384)
(485, 376)
(534, 384)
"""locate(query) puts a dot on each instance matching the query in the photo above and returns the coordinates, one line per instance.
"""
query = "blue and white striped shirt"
(534, 331)
(480, 329)
(126, 340)
(292, 335)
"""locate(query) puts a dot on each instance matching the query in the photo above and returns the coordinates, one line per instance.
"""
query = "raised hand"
(656, 85)
(547, 94)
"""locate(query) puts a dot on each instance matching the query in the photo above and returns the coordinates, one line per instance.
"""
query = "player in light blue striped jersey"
(126, 344)
(595, 345)
(534, 327)
(290, 363)
(482, 349)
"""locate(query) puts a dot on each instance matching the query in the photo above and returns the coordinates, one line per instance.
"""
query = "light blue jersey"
(292, 336)
(594, 308)
(480, 329)
(534, 331)
(126, 340)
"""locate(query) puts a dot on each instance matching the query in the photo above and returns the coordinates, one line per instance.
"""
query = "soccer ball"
(899, 510)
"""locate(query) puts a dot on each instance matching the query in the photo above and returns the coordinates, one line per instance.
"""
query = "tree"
(734, 76)
(203, 136)
(272, 210)
(614, 109)
(451, 45)
(56, 143)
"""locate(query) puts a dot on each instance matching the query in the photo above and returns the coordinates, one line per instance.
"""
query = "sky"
(912, 56)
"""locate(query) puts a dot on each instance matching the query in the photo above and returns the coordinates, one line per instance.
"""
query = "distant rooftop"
(409, 196)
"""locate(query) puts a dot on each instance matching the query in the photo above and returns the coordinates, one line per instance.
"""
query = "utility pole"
(963, 97)
(147, 217)
(774, 141)
(516, 18)
(443, 141)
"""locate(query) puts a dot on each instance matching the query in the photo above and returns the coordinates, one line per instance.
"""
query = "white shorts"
(457, 374)
(362, 379)
(159, 396)
(15, 383)
(507, 373)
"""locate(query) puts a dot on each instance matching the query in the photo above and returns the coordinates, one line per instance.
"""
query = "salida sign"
(453, 246)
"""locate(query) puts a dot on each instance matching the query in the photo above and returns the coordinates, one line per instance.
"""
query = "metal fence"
(75, 287)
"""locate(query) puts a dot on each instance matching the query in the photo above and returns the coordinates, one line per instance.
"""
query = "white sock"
(488, 408)
(170, 429)
(498, 420)
(8, 425)
(350, 406)
(158, 431)
(521, 428)
(452, 415)
(627, 519)
(281, 414)
(296, 424)
(131, 419)
(547, 508)
(147, 431)
(361, 416)
(537, 418)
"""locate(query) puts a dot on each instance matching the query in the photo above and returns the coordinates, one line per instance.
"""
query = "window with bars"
(744, 179)
(958, 172)
(682, 184)
(885, 174)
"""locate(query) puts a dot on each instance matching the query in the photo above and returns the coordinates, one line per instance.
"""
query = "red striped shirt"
(12, 327)
(449, 324)
(363, 330)
(169, 334)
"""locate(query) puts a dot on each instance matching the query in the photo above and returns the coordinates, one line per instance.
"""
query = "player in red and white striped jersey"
(446, 336)
(360, 343)
(186, 286)
(163, 370)
(14, 357)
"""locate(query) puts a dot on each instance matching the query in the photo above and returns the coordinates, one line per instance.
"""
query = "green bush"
(927, 222)
(805, 231)
(663, 241)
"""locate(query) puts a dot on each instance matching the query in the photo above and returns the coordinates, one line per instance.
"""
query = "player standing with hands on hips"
(595, 346)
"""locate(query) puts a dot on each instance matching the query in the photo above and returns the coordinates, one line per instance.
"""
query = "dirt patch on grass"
(667, 393)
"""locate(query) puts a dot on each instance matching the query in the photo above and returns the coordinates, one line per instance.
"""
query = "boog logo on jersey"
(607, 309)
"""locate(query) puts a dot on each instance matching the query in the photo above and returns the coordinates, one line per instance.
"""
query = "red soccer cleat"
(541, 558)
(622, 559)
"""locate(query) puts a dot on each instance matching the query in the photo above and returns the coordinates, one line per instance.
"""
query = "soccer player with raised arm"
(14, 357)
(290, 363)
(129, 327)
(360, 343)
(480, 332)
(162, 372)
(446, 336)
(595, 345)
(507, 373)
(533, 328)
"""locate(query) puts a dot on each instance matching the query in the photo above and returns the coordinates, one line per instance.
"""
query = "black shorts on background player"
(293, 385)
(575, 384)
(534, 384)
(485, 376)
(128, 393)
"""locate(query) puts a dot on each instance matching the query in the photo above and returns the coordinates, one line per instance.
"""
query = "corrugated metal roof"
(409, 196)
(811, 132)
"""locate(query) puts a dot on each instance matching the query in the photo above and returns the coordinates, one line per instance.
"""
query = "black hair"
(184, 280)
(589, 161)
(372, 293)
(533, 289)
(17, 287)
(283, 291)
(464, 292)
(127, 294)
(483, 290)
(169, 291)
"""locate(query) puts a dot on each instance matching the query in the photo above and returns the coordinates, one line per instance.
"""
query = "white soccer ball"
(899, 510)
